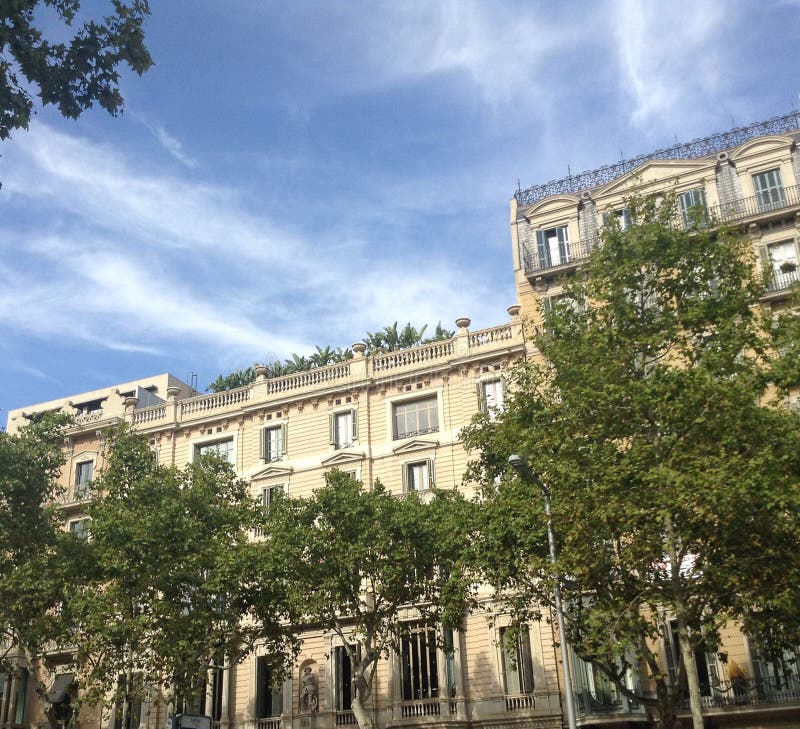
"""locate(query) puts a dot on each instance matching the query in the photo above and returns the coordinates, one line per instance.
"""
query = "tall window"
(419, 670)
(693, 206)
(269, 698)
(222, 448)
(517, 661)
(705, 662)
(273, 443)
(783, 263)
(343, 428)
(416, 417)
(552, 246)
(491, 396)
(418, 476)
(128, 712)
(344, 686)
(269, 494)
(770, 194)
(83, 479)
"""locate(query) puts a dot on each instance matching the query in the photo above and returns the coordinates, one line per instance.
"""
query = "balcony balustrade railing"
(520, 702)
(784, 198)
(782, 280)
(574, 253)
(422, 707)
(748, 692)
(345, 718)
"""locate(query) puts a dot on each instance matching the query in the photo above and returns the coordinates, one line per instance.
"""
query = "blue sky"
(292, 174)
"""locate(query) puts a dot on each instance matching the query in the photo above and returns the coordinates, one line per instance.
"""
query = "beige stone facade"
(397, 417)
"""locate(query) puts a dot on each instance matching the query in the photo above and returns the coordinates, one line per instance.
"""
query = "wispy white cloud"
(170, 143)
(150, 263)
(671, 55)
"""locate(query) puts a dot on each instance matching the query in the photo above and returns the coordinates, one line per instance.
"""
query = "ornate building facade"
(397, 417)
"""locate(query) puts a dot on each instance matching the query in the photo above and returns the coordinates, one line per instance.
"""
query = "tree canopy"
(353, 557)
(71, 75)
(173, 592)
(655, 415)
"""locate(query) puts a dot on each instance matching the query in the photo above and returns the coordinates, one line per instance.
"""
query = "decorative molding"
(415, 445)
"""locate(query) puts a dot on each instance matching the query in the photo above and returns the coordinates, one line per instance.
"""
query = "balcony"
(749, 693)
(575, 252)
(756, 206)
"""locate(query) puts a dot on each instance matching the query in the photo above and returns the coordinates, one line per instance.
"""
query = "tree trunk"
(363, 715)
(687, 656)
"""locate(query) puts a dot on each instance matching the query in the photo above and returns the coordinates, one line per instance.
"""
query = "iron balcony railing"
(748, 207)
(784, 198)
(574, 253)
(748, 692)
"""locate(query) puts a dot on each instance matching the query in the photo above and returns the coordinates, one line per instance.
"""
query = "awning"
(59, 692)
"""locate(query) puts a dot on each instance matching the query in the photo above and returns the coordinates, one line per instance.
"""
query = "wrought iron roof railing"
(689, 150)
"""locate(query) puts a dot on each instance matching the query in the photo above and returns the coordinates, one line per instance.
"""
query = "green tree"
(354, 557)
(38, 560)
(174, 593)
(237, 378)
(70, 75)
(655, 416)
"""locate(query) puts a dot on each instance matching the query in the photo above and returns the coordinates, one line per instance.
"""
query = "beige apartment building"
(397, 417)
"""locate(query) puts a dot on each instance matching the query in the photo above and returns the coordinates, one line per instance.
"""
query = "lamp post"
(520, 465)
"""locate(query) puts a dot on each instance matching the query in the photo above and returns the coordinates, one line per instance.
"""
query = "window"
(273, 443)
(269, 494)
(782, 264)
(344, 687)
(21, 695)
(222, 448)
(517, 661)
(80, 528)
(418, 476)
(621, 216)
(269, 698)
(769, 190)
(705, 663)
(416, 417)
(491, 394)
(693, 208)
(83, 479)
(594, 687)
(552, 246)
(343, 427)
(212, 701)
(128, 712)
(419, 669)
(778, 677)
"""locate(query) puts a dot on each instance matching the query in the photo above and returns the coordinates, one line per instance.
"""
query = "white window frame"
(268, 493)
(337, 439)
(489, 403)
(553, 246)
(206, 444)
(691, 200)
(406, 401)
(265, 446)
(769, 190)
(80, 527)
(426, 480)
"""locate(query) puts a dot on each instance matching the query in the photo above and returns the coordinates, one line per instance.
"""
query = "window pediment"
(342, 458)
(271, 470)
(417, 444)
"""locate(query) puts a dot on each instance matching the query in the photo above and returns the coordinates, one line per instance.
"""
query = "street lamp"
(520, 465)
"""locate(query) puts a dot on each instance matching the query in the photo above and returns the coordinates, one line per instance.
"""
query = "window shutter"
(405, 477)
(563, 245)
(766, 264)
(284, 432)
(265, 496)
(332, 428)
(262, 445)
(480, 392)
(543, 250)
(431, 474)
(354, 419)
